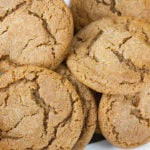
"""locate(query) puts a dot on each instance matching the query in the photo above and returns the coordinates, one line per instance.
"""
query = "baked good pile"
(51, 74)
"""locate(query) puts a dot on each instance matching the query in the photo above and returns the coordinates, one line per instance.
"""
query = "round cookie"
(125, 120)
(37, 32)
(86, 11)
(89, 109)
(110, 55)
(39, 109)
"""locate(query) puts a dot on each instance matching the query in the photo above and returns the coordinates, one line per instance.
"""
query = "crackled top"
(125, 120)
(89, 109)
(86, 11)
(111, 55)
(35, 32)
(38, 110)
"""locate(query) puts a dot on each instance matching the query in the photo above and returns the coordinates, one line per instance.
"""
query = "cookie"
(89, 109)
(110, 55)
(37, 32)
(38, 110)
(86, 11)
(125, 120)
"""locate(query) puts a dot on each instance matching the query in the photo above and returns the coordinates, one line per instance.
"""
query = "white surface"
(104, 145)
(67, 1)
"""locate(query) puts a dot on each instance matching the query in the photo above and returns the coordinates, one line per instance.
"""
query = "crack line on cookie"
(22, 78)
(41, 103)
(80, 39)
(43, 44)
(47, 44)
(6, 100)
(114, 9)
(125, 40)
(103, 2)
(86, 111)
(62, 123)
(18, 123)
(44, 23)
(10, 137)
(137, 113)
(96, 81)
(5, 30)
(28, 42)
(47, 108)
(130, 64)
(146, 36)
(94, 40)
(112, 6)
(12, 11)
(116, 134)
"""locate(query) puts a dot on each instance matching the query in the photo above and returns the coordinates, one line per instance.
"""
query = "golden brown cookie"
(39, 109)
(111, 55)
(86, 11)
(125, 120)
(37, 32)
(89, 109)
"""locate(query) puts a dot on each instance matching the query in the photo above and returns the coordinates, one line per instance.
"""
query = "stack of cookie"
(39, 108)
(111, 56)
(45, 97)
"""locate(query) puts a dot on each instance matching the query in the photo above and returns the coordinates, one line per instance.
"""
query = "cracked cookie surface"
(38, 110)
(110, 55)
(89, 109)
(86, 11)
(125, 120)
(37, 32)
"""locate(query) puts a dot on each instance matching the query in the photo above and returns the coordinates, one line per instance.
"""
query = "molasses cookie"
(39, 109)
(36, 32)
(89, 109)
(125, 120)
(86, 11)
(111, 55)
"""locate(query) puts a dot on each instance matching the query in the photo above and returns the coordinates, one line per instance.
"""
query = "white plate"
(104, 145)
